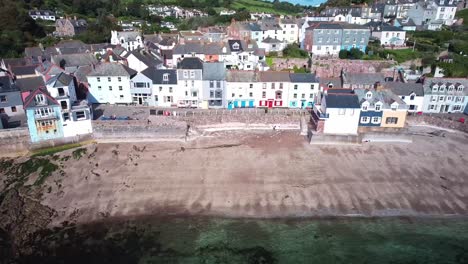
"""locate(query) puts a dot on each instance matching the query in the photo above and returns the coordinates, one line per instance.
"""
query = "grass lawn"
(269, 61)
(463, 14)
(257, 6)
(53, 150)
(403, 55)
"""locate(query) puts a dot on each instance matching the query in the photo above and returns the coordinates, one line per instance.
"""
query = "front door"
(140, 100)
(270, 104)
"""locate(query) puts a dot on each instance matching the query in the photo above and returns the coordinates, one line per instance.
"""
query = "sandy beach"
(273, 174)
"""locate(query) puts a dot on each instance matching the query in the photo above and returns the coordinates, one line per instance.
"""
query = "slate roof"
(30, 102)
(32, 52)
(259, 52)
(112, 69)
(405, 89)
(352, 26)
(271, 40)
(336, 81)
(82, 72)
(274, 76)
(328, 26)
(143, 56)
(60, 80)
(156, 75)
(48, 68)
(362, 78)
(241, 76)
(231, 42)
(386, 97)
(71, 44)
(16, 62)
(24, 70)
(189, 47)
(214, 71)
(429, 82)
(6, 85)
(339, 91)
(303, 78)
(191, 64)
(342, 101)
(73, 60)
(214, 48)
(128, 35)
(254, 27)
(30, 83)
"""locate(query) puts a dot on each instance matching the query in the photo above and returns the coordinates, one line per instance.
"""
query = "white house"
(272, 45)
(304, 90)
(76, 116)
(62, 87)
(155, 87)
(340, 113)
(242, 89)
(389, 35)
(411, 93)
(190, 82)
(76, 120)
(130, 40)
(42, 14)
(290, 30)
(445, 95)
(242, 55)
(109, 83)
(274, 91)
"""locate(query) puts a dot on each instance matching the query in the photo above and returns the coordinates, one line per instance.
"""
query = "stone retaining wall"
(13, 141)
(439, 121)
(161, 128)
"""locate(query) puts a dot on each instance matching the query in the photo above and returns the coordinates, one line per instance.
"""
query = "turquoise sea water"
(208, 240)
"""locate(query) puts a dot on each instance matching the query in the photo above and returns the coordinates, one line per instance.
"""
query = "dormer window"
(460, 88)
(451, 87)
(364, 107)
(39, 99)
(378, 107)
(412, 96)
(394, 107)
(166, 77)
(369, 95)
(441, 88)
(235, 46)
(435, 88)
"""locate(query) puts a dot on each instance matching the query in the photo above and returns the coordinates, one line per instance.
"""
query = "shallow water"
(209, 240)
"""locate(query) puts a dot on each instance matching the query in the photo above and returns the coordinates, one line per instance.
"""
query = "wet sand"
(274, 174)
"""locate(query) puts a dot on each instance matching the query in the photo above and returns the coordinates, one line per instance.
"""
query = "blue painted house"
(43, 113)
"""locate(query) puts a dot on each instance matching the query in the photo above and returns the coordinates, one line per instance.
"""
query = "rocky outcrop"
(21, 217)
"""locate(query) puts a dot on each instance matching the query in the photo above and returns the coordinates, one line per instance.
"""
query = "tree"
(212, 12)
(355, 54)
(343, 54)
(293, 51)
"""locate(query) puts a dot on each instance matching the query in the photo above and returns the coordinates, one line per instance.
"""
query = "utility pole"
(414, 44)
